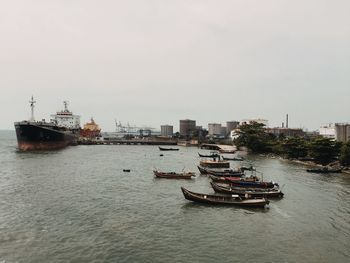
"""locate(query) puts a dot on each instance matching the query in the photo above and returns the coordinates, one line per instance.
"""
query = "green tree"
(324, 150)
(294, 147)
(253, 136)
(345, 154)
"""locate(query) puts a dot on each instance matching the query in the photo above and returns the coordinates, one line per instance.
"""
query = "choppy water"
(76, 205)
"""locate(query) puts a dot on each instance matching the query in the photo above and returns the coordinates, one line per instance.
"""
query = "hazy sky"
(155, 62)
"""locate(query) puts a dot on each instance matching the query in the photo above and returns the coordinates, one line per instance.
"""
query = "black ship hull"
(43, 136)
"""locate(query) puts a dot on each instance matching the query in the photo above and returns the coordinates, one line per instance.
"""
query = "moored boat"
(61, 131)
(173, 175)
(168, 149)
(233, 200)
(249, 182)
(221, 171)
(214, 164)
(212, 155)
(233, 159)
(268, 193)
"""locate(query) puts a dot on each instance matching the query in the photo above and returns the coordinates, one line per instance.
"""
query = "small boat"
(215, 164)
(225, 180)
(234, 200)
(213, 155)
(222, 179)
(126, 170)
(248, 182)
(324, 170)
(219, 171)
(230, 173)
(233, 159)
(268, 193)
(168, 149)
(173, 175)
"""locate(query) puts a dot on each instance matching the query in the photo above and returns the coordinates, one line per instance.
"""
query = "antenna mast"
(32, 102)
(65, 106)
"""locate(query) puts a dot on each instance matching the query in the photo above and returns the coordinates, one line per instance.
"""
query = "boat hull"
(223, 200)
(231, 190)
(37, 136)
(187, 176)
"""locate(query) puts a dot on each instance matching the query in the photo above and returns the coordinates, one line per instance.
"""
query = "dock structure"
(126, 142)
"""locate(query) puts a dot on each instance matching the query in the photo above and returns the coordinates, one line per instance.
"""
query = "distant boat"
(168, 149)
(173, 175)
(234, 200)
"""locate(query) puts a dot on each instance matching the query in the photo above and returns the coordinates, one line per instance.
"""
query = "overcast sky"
(155, 62)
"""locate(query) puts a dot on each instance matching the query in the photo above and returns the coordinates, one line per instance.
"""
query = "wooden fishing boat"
(248, 182)
(173, 175)
(230, 172)
(268, 193)
(214, 164)
(168, 149)
(225, 180)
(233, 159)
(324, 170)
(234, 200)
(213, 155)
(222, 179)
(253, 184)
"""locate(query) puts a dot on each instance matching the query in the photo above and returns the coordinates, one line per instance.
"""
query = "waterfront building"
(287, 132)
(327, 130)
(166, 130)
(223, 131)
(342, 132)
(231, 125)
(214, 129)
(187, 127)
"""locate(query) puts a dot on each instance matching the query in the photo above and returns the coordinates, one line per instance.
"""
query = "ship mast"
(32, 102)
(65, 106)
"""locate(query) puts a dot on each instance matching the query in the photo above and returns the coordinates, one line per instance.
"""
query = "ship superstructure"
(66, 118)
(63, 130)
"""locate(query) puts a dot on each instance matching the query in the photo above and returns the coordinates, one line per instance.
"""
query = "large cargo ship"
(61, 131)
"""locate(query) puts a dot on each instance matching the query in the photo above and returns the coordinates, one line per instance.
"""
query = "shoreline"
(345, 169)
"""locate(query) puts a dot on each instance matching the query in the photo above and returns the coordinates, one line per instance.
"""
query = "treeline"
(320, 149)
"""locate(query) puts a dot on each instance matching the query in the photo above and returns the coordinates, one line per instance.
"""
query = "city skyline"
(156, 62)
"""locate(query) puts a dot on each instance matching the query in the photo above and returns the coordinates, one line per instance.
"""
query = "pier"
(126, 142)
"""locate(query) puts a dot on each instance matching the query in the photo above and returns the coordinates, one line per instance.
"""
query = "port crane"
(132, 129)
